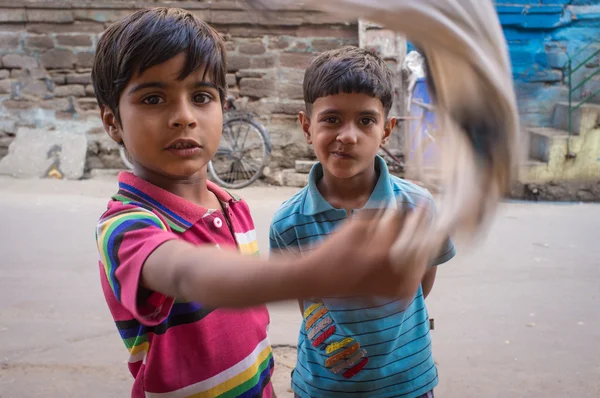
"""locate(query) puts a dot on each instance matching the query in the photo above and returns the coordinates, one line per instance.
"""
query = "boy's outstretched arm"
(358, 254)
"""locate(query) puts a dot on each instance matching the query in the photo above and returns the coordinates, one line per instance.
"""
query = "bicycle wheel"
(125, 157)
(243, 152)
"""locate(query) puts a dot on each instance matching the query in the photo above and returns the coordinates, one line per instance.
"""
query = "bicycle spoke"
(227, 130)
(246, 172)
(246, 137)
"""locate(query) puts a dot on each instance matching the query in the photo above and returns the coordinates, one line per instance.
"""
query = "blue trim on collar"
(382, 195)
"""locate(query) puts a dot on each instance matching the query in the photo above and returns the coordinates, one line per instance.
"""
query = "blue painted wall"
(540, 34)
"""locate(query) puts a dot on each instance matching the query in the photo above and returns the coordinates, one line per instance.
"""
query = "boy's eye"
(331, 119)
(366, 121)
(202, 98)
(153, 100)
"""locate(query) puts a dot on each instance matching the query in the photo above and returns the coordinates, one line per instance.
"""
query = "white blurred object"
(470, 78)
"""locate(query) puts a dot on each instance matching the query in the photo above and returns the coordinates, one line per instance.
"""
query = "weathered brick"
(231, 80)
(237, 62)
(37, 88)
(51, 16)
(77, 27)
(12, 15)
(87, 104)
(233, 17)
(257, 88)
(89, 91)
(69, 90)
(339, 31)
(103, 15)
(39, 41)
(19, 104)
(57, 104)
(251, 48)
(295, 60)
(9, 41)
(74, 40)
(325, 44)
(80, 78)
(251, 73)
(58, 58)
(300, 46)
(5, 87)
(59, 79)
(13, 27)
(279, 43)
(37, 73)
(229, 46)
(4, 73)
(291, 91)
(85, 60)
(291, 75)
(19, 61)
(267, 61)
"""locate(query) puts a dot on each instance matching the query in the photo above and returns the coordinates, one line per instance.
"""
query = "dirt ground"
(516, 315)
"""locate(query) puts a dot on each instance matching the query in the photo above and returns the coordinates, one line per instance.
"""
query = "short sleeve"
(276, 243)
(448, 251)
(126, 236)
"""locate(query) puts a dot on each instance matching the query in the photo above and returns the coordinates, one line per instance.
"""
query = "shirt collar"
(178, 212)
(382, 195)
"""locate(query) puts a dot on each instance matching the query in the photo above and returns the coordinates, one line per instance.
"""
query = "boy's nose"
(348, 134)
(182, 116)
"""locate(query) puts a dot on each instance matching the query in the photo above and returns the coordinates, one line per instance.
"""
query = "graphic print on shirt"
(344, 357)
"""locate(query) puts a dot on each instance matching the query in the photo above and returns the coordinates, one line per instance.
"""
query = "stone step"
(583, 119)
(304, 166)
(540, 141)
(592, 86)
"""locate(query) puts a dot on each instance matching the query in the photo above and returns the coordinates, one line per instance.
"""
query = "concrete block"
(19, 61)
(290, 178)
(256, 88)
(8, 126)
(583, 119)
(74, 40)
(304, 166)
(541, 140)
(34, 152)
(12, 15)
(58, 59)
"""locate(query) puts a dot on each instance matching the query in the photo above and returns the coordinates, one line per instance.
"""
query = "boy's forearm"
(218, 278)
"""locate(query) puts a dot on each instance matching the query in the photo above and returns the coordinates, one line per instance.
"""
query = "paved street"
(517, 316)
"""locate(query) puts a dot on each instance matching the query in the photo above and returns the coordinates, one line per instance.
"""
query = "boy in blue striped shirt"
(354, 346)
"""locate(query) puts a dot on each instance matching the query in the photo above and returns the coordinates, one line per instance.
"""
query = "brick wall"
(47, 48)
(540, 34)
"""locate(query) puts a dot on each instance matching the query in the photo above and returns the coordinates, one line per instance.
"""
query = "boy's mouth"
(184, 147)
(341, 155)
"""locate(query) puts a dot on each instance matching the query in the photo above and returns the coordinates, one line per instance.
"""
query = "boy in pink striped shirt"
(191, 314)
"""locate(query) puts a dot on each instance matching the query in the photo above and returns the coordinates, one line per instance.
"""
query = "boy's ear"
(109, 120)
(387, 130)
(304, 119)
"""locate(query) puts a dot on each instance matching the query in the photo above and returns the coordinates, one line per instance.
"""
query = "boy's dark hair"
(150, 37)
(348, 70)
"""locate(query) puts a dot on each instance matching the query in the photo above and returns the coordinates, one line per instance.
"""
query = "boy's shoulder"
(409, 194)
(291, 211)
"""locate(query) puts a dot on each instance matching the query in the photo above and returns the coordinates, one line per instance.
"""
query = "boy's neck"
(193, 189)
(348, 193)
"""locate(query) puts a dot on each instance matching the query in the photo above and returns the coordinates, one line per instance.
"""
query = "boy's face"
(170, 127)
(346, 131)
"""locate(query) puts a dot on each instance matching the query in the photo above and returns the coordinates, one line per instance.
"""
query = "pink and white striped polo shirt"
(179, 349)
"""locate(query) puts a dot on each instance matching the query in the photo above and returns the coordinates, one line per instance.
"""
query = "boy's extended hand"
(375, 254)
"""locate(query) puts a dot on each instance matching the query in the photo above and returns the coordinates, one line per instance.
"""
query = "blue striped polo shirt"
(367, 347)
